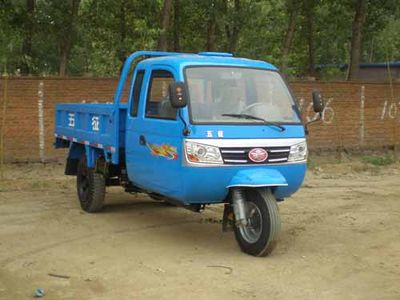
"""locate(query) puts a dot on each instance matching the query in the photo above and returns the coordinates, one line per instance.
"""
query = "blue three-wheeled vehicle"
(197, 129)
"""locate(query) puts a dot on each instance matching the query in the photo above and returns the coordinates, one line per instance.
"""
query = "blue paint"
(109, 130)
(222, 54)
(210, 184)
(254, 131)
(257, 177)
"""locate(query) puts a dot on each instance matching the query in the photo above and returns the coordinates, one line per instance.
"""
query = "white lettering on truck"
(95, 123)
(71, 119)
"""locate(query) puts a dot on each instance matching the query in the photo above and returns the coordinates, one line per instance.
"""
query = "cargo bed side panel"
(92, 125)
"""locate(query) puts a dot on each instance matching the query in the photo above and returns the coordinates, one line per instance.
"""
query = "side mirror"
(318, 103)
(177, 94)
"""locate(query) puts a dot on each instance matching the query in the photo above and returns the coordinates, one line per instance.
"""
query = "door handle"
(142, 140)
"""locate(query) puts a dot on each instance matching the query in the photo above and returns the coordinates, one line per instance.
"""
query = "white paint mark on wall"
(41, 120)
(362, 116)
(328, 113)
(390, 110)
(384, 110)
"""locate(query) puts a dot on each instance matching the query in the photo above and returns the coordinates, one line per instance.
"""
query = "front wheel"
(259, 236)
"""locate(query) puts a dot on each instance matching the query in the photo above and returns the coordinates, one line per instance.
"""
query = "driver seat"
(230, 101)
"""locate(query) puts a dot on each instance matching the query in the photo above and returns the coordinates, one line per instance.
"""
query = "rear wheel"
(91, 187)
(260, 235)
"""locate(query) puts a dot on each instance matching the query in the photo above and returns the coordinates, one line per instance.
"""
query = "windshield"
(220, 94)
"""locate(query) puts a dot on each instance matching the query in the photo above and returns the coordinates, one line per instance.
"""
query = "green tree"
(93, 37)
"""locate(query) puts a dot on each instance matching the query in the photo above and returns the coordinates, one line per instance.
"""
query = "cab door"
(154, 134)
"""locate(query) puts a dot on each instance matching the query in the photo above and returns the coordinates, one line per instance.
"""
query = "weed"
(311, 164)
(378, 160)
(39, 184)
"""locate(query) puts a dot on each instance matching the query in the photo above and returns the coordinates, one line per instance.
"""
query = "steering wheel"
(248, 107)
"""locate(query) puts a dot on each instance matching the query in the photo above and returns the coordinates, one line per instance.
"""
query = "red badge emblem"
(258, 155)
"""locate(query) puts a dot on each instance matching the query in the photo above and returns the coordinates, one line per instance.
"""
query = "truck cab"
(198, 129)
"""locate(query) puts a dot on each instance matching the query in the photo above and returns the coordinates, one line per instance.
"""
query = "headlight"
(200, 153)
(298, 152)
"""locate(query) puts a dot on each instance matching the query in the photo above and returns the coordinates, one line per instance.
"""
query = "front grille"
(241, 155)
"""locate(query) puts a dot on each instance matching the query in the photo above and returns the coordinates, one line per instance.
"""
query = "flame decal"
(165, 150)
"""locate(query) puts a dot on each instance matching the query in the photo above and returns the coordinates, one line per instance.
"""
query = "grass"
(311, 164)
(382, 160)
(373, 163)
(39, 184)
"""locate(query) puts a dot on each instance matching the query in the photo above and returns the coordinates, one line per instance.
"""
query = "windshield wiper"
(250, 117)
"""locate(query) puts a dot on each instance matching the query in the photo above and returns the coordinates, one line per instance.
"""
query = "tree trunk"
(177, 44)
(211, 37)
(232, 31)
(309, 18)
(67, 41)
(356, 39)
(287, 44)
(162, 44)
(122, 31)
(27, 42)
(63, 63)
(211, 29)
(64, 53)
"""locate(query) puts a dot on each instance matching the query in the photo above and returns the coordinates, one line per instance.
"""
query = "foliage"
(105, 31)
(10, 35)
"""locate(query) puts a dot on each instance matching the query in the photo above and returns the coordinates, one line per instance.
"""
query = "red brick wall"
(345, 125)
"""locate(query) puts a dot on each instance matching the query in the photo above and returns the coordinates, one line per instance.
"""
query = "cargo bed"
(100, 126)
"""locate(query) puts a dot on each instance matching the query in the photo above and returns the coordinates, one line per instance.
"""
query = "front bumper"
(211, 184)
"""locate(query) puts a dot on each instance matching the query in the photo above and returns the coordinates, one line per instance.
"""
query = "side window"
(158, 105)
(137, 87)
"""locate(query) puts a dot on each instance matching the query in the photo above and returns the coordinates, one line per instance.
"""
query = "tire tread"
(97, 189)
(266, 202)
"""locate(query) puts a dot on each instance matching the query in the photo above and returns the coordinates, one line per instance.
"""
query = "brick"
(342, 127)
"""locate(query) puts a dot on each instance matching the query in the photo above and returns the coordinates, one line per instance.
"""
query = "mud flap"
(228, 219)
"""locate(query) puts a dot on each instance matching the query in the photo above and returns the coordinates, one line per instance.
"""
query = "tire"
(91, 187)
(260, 236)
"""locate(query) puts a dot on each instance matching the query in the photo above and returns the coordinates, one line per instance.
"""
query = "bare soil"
(340, 240)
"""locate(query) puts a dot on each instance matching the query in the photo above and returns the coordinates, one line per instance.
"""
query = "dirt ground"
(340, 240)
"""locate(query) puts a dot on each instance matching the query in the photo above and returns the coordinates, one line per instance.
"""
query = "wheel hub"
(252, 231)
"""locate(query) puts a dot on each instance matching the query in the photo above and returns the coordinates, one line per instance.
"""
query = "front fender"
(256, 177)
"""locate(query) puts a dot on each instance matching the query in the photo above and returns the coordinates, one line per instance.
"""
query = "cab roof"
(182, 60)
